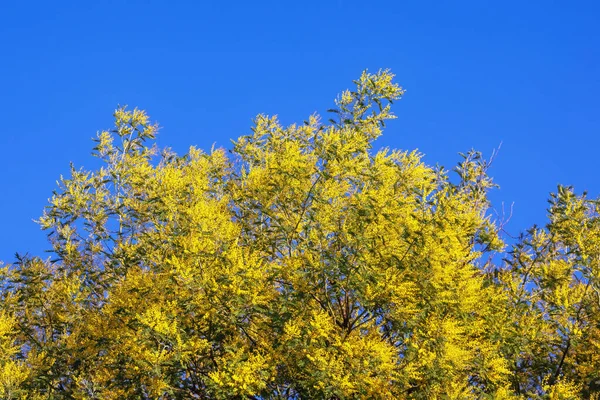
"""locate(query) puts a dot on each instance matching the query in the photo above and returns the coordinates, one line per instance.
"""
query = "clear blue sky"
(477, 73)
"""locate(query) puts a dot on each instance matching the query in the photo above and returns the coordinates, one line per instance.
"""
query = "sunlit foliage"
(301, 264)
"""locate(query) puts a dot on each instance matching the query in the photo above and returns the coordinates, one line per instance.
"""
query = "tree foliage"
(300, 265)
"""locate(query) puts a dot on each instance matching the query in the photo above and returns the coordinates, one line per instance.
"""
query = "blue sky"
(524, 73)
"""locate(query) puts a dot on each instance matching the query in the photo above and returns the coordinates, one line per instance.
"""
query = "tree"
(552, 280)
(302, 264)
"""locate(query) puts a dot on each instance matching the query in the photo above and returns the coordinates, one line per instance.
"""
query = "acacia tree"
(302, 264)
(552, 278)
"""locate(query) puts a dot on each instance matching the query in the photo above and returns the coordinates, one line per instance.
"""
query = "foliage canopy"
(299, 265)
